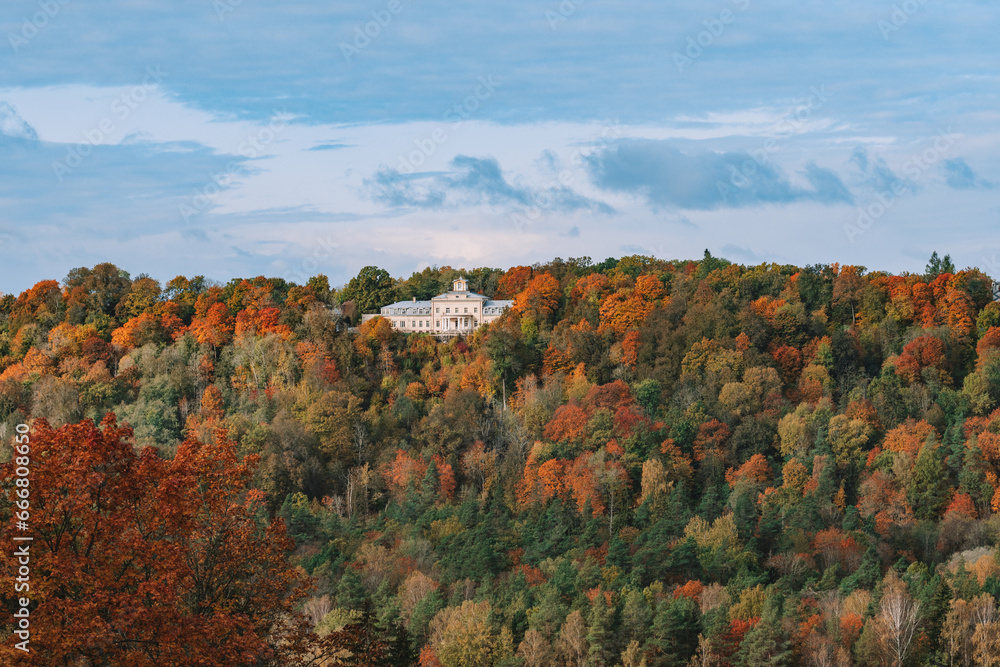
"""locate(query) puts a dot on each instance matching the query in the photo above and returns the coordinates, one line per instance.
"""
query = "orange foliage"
(712, 435)
(789, 362)
(880, 497)
(756, 470)
(166, 558)
(989, 341)
(261, 322)
(215, 327)
(692, 589)
(446, 478)
(908, 437)
(918, 354)
(611, 396)
(568, 424)
(630, 348)
(850, 627)
(513, 281)
(539, 298)
(590, 288)
(835, 546)
(625, 309)
(961, 505)
(630, 421)
(403, 471)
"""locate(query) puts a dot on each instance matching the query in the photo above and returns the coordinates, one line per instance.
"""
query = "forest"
(643, 462)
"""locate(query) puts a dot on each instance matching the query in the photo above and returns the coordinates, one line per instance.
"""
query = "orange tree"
(140, 561)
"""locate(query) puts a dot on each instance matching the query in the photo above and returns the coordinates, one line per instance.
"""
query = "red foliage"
(961, 505)
(446, 478)
(569, 423)
(712, 435)
(850, 628)
(144, 561)
(611, 396)
(513, 281)
(403, 471)
(630, 421)
(756, 470)
(630, 348)
(692, 589)
(918, 354)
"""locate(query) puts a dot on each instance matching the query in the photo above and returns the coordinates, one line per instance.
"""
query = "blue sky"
(245, 137)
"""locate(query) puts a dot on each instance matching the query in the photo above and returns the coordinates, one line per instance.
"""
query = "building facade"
(456, 312)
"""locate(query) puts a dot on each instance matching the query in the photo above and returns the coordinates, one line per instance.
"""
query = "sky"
(237, 138)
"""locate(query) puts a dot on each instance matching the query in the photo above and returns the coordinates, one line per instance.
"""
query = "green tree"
(371, 289)
(936, 266)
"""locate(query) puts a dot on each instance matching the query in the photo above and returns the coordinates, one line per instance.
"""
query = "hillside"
(643, 462)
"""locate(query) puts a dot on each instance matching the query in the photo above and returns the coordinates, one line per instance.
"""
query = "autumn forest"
(642, 462)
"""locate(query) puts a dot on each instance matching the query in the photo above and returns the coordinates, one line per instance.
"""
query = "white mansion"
(455, 312)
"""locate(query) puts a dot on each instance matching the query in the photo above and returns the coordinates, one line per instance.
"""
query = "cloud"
(329, 146)
(960, 176)
(668, 177)
(877, 174)
(13, 126)
(472, 182)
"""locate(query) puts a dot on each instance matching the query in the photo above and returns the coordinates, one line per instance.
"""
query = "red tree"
(140, 561)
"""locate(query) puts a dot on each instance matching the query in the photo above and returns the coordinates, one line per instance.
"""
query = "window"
(473, 310)
(438, 323)
(437, 310)
(447, 310)
(466, 310)
(413, 325)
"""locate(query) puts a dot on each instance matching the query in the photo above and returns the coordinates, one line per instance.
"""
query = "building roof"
(471, 295)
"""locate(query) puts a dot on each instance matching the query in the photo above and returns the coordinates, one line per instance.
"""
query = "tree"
(371, 289)
(897, 620)
(141, 561)
(461, 637)
(535, 649)
(539, 298)
(572, 644)
(936, 266)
